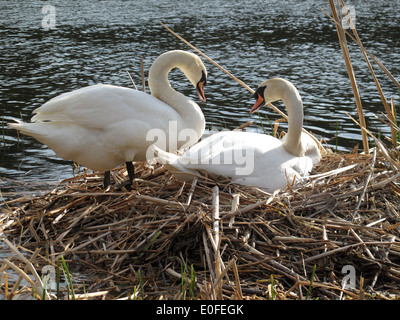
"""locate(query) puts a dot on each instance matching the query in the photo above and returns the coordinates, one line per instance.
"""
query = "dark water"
(97, 41)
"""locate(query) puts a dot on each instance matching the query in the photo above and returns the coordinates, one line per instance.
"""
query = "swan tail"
(35, 130)
(20, 125)
(165, 157)
(172, 163)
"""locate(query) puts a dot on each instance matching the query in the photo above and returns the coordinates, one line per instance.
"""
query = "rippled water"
(97, 41)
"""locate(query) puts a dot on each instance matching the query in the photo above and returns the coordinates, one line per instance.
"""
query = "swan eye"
(203, 78)
(259, 96)
(259, 92)
(200, 87)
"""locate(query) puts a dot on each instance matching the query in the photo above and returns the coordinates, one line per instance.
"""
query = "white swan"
(250, 158)
(103, 126)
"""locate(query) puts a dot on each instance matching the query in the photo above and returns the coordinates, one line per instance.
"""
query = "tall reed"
(350, 71)
(391, 113)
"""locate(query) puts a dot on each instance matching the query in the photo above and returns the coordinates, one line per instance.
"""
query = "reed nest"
(167, 239)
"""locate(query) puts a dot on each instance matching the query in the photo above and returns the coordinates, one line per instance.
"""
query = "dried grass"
(236, 238)
(166, 239)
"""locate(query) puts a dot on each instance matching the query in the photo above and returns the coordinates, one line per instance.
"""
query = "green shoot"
(270, 125)
(68, 277)
(150, 243)
(133, 297)
(311, 282)
(272, 296)
(141, 284)
(262, 125)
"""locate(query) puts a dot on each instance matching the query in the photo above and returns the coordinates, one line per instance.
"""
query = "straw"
(349, 67)
(166, 223)
(365, 53)
(241, 242)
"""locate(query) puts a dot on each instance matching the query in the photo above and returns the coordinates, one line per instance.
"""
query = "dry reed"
(167, 239)
(235, 237)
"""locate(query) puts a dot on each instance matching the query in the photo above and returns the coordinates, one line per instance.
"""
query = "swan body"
(103, 126)
(250, 158)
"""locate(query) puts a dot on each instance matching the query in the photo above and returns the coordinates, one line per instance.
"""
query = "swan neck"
(158, 77)
(158, 80)
(292, 100)
(161, 89)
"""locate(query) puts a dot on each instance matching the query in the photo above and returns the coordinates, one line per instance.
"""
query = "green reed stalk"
(311, 282)
(68, 277)
(261, 122)
(272, 297)
(141, 284)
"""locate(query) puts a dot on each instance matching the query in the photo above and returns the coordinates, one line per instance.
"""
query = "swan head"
(190, 64)
(194, 69)
(269, 91)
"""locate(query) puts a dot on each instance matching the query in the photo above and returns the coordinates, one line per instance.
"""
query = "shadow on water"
(96, 43)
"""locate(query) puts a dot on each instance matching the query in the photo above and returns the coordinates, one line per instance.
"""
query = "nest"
(335, 237)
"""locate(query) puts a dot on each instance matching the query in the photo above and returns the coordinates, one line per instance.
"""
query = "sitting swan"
(250, 158)
(103, 126)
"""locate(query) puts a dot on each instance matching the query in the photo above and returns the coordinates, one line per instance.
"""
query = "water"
(97, 41)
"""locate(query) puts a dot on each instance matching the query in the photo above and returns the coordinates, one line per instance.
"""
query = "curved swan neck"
(161, 67)
(294, 105)
(161, 89)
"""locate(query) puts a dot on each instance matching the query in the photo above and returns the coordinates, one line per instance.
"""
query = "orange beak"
(258, 104)
(200, 90)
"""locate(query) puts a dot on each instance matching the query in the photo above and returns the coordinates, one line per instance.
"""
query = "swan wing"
(97, 106)
(227, 153)
(248, 158)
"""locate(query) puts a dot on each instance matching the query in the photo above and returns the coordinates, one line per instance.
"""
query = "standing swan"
(103, 126)
(250, 158)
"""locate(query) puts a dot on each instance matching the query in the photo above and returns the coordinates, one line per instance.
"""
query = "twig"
(30, 267)
(208, 58)
(133, 82)
(350, 246)
(217, 257)
(244, 125)
(237, 281)
(361, 198)
(376, 60)
(248, 208)
(378, 143)
(237, 80)
(362, 242)
(215, 214)
(69, 251)
(234, 208)
(347, 60)
(358, 40)
(207, 254)
(191, 191)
